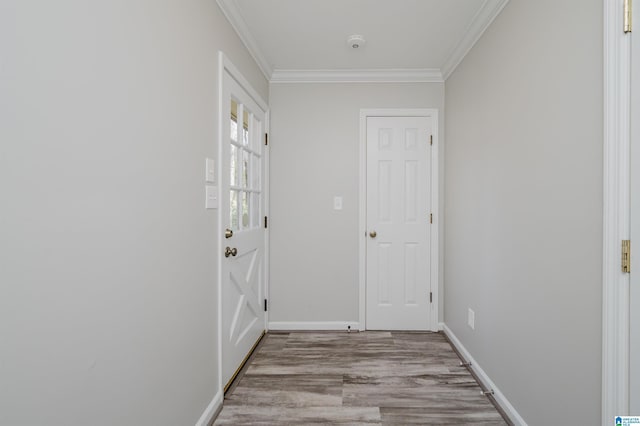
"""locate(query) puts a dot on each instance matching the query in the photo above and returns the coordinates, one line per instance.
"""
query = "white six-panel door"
(242, 205)
(398, 223)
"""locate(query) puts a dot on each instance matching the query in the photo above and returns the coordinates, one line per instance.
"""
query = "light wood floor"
(388, 378)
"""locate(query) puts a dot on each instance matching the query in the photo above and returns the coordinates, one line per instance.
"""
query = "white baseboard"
(440, 326)
(212, 410)
(313, 326)
(484, 378)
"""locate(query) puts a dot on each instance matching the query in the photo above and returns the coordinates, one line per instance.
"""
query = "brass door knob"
(230, 252)
(228, 233)
(373, 234)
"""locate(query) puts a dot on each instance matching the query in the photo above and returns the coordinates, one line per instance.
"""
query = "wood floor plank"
(431, 416)
(288, 391)
(242, 415)
(390, 378)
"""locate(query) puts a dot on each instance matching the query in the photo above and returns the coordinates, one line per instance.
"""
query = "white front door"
(634, 326)
(242, 205)
(398, 213)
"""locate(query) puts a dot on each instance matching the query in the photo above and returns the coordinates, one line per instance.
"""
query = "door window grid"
(245, 169)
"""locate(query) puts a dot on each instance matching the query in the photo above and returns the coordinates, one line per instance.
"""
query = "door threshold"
(235, 378)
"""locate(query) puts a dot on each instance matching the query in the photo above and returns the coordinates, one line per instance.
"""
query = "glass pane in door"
(245, 210)
(245, 169)
(233, 165)
(234, 121)
(255, 210)
(233, 210)
(245, 128)
(255, 173)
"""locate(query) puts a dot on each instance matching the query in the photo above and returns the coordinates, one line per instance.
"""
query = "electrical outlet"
(210, 170)
(471, 319)
(337, 203)
(211, 197)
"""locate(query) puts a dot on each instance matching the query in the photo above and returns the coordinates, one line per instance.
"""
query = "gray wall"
(107, 255)
(315, 138)
(524, 207)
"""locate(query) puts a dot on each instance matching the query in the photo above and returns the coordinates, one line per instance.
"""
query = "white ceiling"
(420, 40)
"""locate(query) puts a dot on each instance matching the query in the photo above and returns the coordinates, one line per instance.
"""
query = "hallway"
(356, 378)
(180, 176)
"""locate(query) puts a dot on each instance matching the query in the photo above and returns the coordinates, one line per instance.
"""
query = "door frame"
(435, 207)
(616, 209)
(225, 65)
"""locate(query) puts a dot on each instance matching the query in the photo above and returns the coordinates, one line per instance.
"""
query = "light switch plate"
(471, 319)
(210, 170)
(337, 203)
(211, 197)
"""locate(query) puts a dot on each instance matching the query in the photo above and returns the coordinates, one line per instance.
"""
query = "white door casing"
(616, 316)
(398, 228)
(242, 282)
(634, 287)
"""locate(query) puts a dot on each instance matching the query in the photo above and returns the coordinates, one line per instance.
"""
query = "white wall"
(107, 256)
(524, 207)
(314, 157)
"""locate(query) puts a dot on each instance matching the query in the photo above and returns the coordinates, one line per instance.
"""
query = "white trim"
(485, 380)
(221, 67)
(362, 228)
(362, 224)
(212, 410)
(489, 11)
(440, 326)
(313, 325)
(435, 226)
(234, 16)
(225, 65)
(267, 232)
(358, 76)
(616, 180)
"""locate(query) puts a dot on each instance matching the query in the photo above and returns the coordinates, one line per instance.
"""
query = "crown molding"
(425, 75)
(489, 11)
(233, 15)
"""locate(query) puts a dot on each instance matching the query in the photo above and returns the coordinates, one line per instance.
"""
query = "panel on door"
(398, 223)
(243, 236)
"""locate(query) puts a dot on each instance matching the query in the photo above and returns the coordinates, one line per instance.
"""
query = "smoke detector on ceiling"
(356, 41)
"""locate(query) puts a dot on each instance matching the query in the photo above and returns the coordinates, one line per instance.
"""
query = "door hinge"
(265, 305)
(430, 297)
(431, 140)
(266, 139)
(626, 256)
(431, 218)
(628, 16)
(265, 222)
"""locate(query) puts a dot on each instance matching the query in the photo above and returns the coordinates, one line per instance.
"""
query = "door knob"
(230, 252)
(228, 233)
(373, 234)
